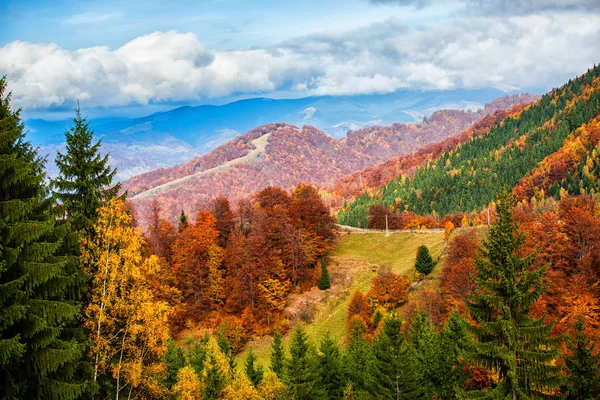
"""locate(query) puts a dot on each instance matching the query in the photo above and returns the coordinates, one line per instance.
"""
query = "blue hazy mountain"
(171, 137)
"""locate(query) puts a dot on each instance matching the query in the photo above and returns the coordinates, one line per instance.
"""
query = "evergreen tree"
(324, 283)
(357, 357)
(226, 349)
(392, 370)
(424, 262)
(301, 372)
(183, 221)
(38, 356)
(214, 379)
(277, 355)
(85, 178)
(196, 355)
(330, 368)
(508, 340)
(582, 367)
(253, 372)
(174, 360)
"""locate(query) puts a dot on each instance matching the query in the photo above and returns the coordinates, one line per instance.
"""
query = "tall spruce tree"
(508, 340)
(85, 180)
(37, 357)
(277, 355)
(424, 262)
(583, 381)
(301, 373)
(330, 368)
(324, 282)
(254, 372)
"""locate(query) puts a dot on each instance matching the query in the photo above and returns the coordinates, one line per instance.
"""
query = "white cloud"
(90, 17)
(536, 50)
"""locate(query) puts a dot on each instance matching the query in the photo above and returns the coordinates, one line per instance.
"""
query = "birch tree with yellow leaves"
(126, 324)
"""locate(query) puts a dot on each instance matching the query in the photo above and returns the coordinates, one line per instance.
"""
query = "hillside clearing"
(354, 262)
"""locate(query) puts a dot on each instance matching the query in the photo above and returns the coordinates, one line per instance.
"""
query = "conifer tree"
(508, 340)
(330, 368)
(301, 372)
(253, 372)
(357, 357)
(183, 221)
(324, 283)
(85, 180)
(38, 358)
(174, 361)
(277, 355)
(214, 379)
(582, 367)
(424, 262)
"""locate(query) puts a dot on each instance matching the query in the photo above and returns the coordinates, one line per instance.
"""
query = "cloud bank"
(532, 50)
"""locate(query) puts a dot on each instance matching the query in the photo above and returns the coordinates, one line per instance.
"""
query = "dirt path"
(253, 156)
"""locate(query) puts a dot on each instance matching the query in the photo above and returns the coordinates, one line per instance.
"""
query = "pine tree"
(424, 262)
(174, 361)
(85, 178)
(392, 370)
(38, 359)
(183, 221)
(253, 372)
(214, 379)
(508, 340)
(357, 357)
(324, 283)
(330, 368)
(582, 367)
(277, 355)
(301, 370)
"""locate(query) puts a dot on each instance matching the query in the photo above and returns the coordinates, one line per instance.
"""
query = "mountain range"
(284, 155)
(164, 139)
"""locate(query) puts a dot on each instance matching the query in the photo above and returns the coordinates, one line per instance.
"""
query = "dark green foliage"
(277, 355)
(583, 381)
(226, 349)
(85, 179)
(301, 372)
(392, 372)
(253, 372)
(469, 177)
(356, 358)
(196, 356)
(330, 368)
(214, 381)
(424, 262)
(174, 360)
(508, 340)
(183, 221)
(324, 283)
(39, 356)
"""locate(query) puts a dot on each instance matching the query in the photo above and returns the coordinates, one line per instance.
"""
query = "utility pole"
(387, 232)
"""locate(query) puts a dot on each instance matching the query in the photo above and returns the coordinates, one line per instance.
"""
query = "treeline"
(470, 176)
(492, 335)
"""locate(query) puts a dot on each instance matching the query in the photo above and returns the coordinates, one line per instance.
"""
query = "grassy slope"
(355, 261)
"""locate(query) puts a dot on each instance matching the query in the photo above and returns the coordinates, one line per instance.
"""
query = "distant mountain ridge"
(287, 155)
(170, 138)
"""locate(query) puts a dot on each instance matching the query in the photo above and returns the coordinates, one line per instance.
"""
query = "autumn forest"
(107, 295)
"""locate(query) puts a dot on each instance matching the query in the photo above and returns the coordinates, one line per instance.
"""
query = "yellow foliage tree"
(241, 388)
(272, 388)
(126, 325)
(188, 386)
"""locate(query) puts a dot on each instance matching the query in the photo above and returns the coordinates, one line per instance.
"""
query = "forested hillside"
(468, 177)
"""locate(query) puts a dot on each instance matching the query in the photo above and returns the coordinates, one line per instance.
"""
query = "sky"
(139, 56)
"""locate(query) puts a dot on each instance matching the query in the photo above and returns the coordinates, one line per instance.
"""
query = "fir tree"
(424, 262)
(277, 355)
(226, 349)
(357, 357)
(508, 340)
(196, 356)
(85, 178)
(174, 361)
(301, 370)
(183, 221)
(582, 367)
(324, 283)
(330, 368)
(253, 372)
(214, 379)
(392, 371)
(38, 358)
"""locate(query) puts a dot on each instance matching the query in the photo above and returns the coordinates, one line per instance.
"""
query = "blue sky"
(147, 55)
